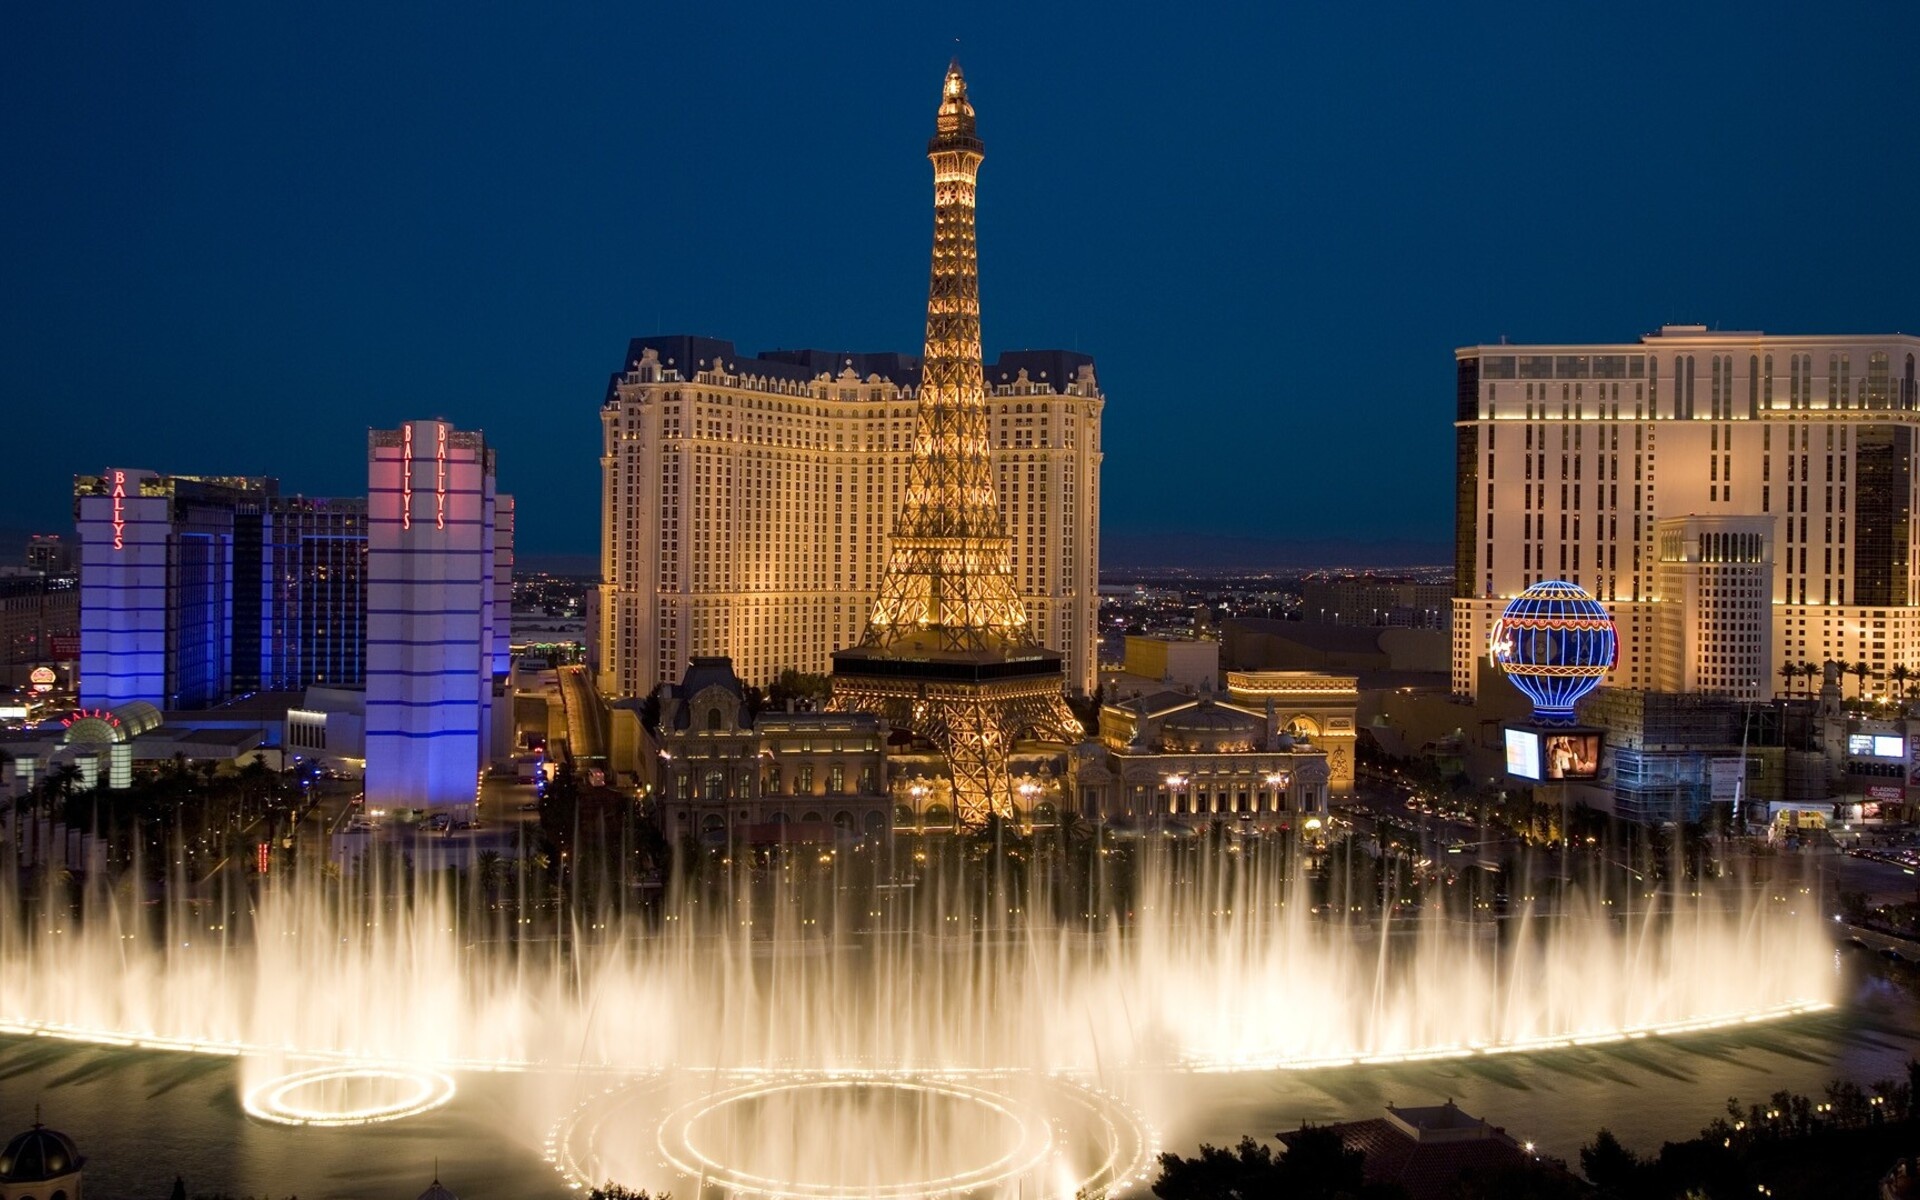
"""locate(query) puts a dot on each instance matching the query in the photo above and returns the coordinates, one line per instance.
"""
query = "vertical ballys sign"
(119, 509)
(406, 476)
(440, 481)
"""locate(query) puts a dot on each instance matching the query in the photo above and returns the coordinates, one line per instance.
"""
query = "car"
(530, 806)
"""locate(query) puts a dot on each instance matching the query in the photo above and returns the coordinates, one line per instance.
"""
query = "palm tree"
(1789, 672)
(257, 783)
(1900, 674)
(1860, 670)
(1811, 671)
(63, 779)
(488, 862)
(22, 805)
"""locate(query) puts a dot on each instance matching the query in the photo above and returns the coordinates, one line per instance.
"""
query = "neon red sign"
(406, 476)
(83, 714)
(261, 856)
(440, 482)
(119, 510)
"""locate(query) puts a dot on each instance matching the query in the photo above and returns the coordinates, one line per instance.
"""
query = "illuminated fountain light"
(786, 994)
(1605, 1037)
(877, 1135)
(348, 1095)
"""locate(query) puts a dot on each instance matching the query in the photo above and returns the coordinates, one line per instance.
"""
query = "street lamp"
(1277, 782)
(1028, 791)
(1176, 786)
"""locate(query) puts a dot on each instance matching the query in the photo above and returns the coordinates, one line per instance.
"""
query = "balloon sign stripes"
(1555, 643)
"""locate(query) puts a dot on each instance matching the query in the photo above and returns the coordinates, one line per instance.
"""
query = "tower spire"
(953, 124)
(947, 651)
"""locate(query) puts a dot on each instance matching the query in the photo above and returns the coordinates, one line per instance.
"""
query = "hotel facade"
(439, 594)
(1739, 501)
(195, 589)
(747, 502)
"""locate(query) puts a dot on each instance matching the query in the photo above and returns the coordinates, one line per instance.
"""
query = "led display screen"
(1523, 753)
(1570, 755)
(1877, 745)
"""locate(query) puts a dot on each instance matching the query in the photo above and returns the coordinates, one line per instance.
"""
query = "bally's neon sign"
(439, 477)
(89, 714)
(406, 477)
(119, 510)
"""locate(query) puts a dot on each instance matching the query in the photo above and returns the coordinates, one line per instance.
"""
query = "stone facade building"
(747, 501)
(728, 774)
(1189, 760)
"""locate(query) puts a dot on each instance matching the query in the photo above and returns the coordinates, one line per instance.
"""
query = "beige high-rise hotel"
(1738, 501)
(747, 500)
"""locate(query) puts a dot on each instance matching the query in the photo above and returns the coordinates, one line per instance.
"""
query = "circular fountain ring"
(688, 1134)
(348, 1095)
(1033, 1135)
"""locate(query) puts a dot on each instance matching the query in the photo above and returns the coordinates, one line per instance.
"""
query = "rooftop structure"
(1425, 1149)
(40, 1162)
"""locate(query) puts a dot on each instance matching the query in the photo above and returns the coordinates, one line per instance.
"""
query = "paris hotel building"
(1739, 501)
(747, 501)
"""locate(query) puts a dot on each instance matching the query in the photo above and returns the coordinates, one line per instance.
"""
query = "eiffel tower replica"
(947, 652)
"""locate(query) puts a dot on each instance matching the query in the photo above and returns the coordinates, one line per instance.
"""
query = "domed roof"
(38, 1155)
(1211, 728)
(1207, 717)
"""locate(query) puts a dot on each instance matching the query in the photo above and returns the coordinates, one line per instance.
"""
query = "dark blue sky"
(235, 237)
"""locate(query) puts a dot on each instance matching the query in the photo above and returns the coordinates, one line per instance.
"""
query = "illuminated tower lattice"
(947, 652)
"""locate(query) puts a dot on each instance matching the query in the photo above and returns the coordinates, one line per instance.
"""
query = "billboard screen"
(1573, 755)
(1877, 745)
(1724, 778)
(1523, 753)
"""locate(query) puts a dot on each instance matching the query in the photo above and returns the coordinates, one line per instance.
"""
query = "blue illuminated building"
(438, 599)
(195, 590)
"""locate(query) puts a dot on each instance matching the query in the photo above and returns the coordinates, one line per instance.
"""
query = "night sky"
(234, 237)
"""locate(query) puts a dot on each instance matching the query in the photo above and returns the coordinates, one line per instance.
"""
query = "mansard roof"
(690, 354)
